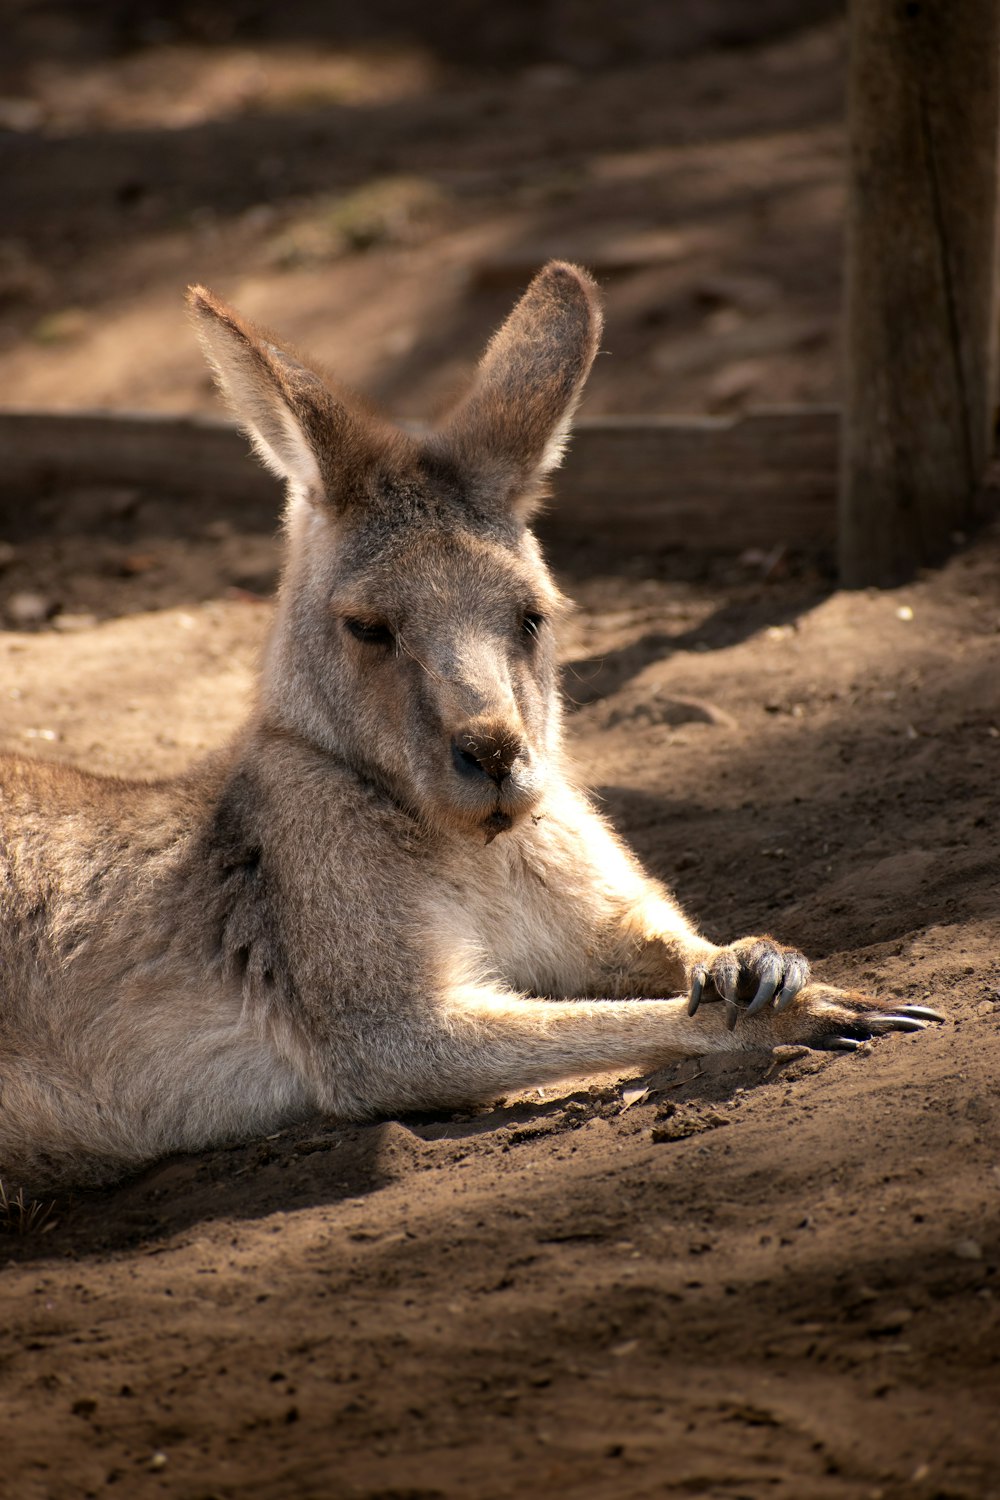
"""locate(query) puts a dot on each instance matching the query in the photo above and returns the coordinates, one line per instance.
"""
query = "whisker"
(420, 662)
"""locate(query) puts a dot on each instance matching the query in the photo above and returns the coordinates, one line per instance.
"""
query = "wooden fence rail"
(768, 477)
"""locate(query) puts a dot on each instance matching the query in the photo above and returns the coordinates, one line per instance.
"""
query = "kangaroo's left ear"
(510, 431)
(325, 446)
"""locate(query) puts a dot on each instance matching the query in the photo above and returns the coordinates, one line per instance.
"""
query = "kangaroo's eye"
(531, 625)
(372, 632)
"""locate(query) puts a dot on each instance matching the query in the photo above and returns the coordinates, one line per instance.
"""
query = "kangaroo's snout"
(488, 751)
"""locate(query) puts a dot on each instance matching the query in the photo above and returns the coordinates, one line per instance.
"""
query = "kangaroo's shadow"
(320, 1164)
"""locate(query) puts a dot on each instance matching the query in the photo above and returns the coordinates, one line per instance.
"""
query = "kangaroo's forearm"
(477, 1045)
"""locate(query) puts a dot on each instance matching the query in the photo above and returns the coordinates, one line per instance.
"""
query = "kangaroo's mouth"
(497, 822)
(486, 809)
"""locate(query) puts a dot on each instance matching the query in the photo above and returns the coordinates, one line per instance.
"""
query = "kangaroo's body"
(387, 893)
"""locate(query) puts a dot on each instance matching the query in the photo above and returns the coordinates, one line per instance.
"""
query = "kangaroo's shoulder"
(308, 802)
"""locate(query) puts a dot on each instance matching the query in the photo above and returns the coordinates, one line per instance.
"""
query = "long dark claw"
(785, 997)
(899, 1022)
(920, 1013)
(764, 995)
(838, 1044)
(698, 978)
(732, 1014)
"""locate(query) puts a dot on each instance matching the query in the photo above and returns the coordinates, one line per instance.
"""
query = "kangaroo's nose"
(486, 752)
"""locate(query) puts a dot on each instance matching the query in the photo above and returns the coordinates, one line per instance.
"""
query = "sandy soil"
(777, 1279)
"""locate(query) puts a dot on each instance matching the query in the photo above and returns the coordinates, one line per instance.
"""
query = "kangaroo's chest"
(507, 917)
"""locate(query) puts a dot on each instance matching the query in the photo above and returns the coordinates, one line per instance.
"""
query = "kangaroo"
(387, 894)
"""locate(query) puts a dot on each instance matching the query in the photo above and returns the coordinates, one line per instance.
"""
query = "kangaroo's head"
(414, 630)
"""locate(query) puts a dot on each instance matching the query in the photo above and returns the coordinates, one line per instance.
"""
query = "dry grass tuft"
(20, 1215)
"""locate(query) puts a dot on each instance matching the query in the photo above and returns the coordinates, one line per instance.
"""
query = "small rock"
(71, 622)
(892, 1321)
(967, 1249)
(26, 608)
(789, 1052)
(7, 554)
(135, 564)
(158, 1461)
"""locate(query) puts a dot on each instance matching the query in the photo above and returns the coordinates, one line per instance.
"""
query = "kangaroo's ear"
(511, 429)
(300, 430)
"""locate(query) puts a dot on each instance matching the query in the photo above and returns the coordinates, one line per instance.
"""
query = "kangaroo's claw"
(749, 976)
(898, 1022)
(785, 998)
(698, 978)
(838, 1044)
(765, 993)
(919, 1012)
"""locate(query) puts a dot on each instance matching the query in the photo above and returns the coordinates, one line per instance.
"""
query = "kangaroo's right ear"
(512, 428)
(298, 427)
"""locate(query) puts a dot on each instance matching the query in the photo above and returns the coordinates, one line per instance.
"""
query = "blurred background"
(379, 181)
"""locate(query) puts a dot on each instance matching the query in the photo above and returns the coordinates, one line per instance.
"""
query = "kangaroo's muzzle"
(488, 751)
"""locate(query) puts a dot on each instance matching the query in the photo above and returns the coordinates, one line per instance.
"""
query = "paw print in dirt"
(748, 976)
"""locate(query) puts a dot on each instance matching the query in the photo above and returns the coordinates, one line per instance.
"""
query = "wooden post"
(920, 377)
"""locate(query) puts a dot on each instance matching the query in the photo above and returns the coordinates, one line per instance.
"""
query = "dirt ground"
(385, 205)
(777, 1278)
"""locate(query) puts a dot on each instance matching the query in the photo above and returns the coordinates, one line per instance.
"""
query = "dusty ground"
(779, 1280)
(385, 207)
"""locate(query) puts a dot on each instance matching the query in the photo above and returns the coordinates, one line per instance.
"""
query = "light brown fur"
(387, 894)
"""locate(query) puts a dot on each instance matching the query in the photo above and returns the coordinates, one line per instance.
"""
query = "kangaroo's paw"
(749, 975)
(840, 1020)
(833, 1020)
